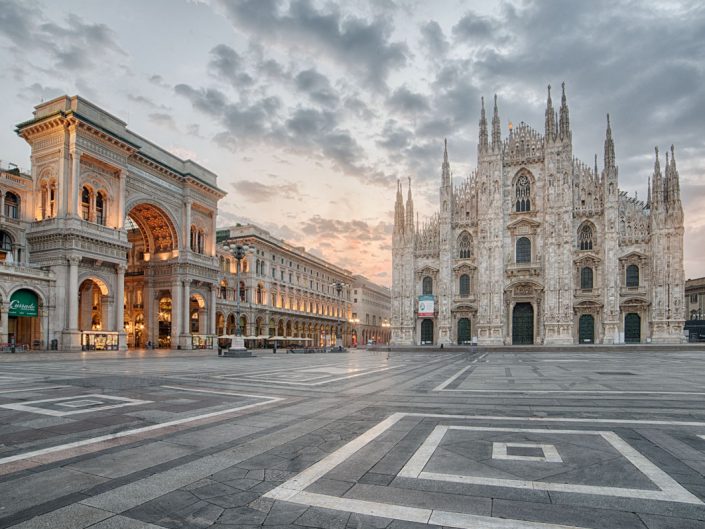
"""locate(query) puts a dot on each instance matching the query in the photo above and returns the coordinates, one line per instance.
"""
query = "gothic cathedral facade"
(536, 247)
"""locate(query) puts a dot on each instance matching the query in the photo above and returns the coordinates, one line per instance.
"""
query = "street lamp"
(338, 285)
(238, 251)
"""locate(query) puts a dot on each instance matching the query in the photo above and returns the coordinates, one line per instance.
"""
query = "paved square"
(531, 440)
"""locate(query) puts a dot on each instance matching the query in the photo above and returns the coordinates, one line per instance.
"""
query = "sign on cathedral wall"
(426, 306)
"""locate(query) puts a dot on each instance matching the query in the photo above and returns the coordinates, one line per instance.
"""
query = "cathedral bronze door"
(523, 324)
(586, 329)
(632, 328)
(464, 334)
(426, 332)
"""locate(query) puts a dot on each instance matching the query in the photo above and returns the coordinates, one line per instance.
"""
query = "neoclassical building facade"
(112, 236)
(536, 247)
(285, 292)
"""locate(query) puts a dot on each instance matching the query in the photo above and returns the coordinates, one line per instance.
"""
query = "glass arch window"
(464, 286)
(5, 241)
(586, 278)
(427, 286)
(100, 209)
(523, 194)
(464, 246)
(12, 206)
(585, 237)
(523, 250)
(85, 203)
(632, 276)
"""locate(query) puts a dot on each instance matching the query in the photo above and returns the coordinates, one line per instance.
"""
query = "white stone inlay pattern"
(294, 491)
(550, 454)
(110, 402)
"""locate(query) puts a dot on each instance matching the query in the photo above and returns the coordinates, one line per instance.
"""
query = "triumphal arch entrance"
(127, 228)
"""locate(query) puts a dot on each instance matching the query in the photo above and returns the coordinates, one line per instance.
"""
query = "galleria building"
(536, 247)
(110, 242)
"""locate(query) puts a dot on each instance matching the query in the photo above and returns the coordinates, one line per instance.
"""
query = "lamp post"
(338, 285)
(238, 251)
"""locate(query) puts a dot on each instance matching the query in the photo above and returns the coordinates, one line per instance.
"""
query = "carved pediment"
(427, 271)
(524, 289)
(634, 256)
(635, 302)
(523, 222)
(464, 267)
(587, 259)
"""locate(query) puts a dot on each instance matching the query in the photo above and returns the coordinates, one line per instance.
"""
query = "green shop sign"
(23, 303)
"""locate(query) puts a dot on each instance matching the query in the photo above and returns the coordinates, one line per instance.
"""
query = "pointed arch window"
(523, 194)
(586, 278)
(585, 236)
(464, 246)
(632, 276)
(427, 286)
(464, 285)
(523, 250)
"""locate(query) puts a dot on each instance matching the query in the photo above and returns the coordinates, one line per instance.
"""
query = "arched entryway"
(632, 328)
(586, 329)
(427, 332)
(523, 324)
(464, 331)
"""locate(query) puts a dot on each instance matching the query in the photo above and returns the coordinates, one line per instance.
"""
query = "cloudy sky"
(309, 111)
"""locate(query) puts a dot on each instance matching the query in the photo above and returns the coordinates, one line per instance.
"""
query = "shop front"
(24, 325)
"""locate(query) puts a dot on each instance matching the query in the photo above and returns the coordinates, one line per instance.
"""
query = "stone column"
(73, 292)
(186, 316)
(177, 307)
(187, 224)
(2, 205)
(121, 200)
(120, 307)
(4, 322)
(74, 200)
(71, 336)
(213, 233)
(212, 308)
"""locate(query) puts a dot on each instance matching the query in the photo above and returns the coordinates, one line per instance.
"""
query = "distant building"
(695, 298)
(536, 247)
(371, 312)
(284, 291)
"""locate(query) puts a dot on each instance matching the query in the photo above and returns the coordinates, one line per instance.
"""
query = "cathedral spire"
(648, 194)
(399, 210)
(609, 146)
(564, 124)
(550, 118)
(484, 141)
(409, 211)
(656, 184)
(595, 165)
(496, 131)
(445, 168)
(675, 179)
(667, 181)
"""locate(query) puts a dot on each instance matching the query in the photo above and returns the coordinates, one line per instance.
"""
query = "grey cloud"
(359, 108)
(226, 63)
(434, 39)
(158, 80)
(393, 137)
(258, 192)
(357, 230)
(362, 45)
(163, 120)
(317, 86)
(405, 101)
(210, 100)
(38, 92)
(74, 46)
(478, 29)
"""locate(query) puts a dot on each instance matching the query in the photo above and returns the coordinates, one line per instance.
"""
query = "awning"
(276, 338)
(23, 303)
(262, 337)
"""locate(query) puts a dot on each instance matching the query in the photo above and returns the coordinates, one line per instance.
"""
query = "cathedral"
(537, 247)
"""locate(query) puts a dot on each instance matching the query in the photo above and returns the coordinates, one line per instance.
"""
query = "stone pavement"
(499, 440)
